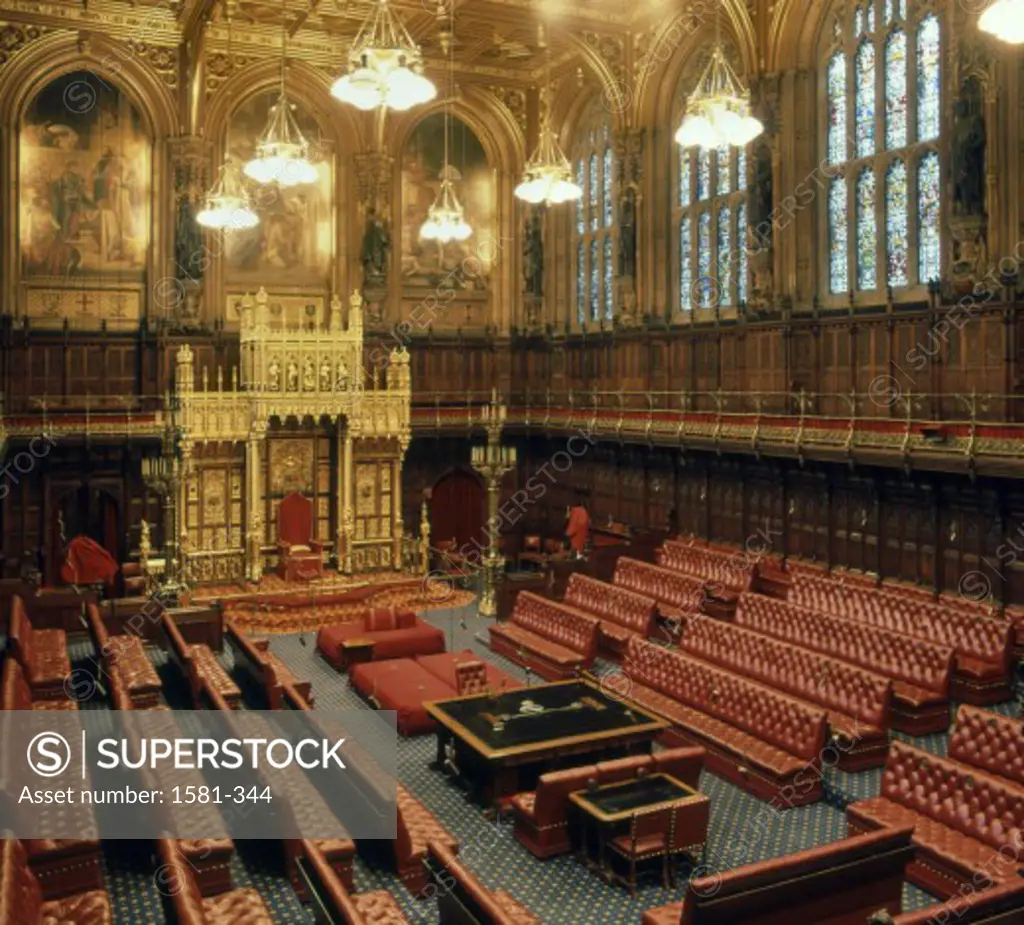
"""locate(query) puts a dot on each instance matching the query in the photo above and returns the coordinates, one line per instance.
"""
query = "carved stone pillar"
(629, 154)
(179, 305)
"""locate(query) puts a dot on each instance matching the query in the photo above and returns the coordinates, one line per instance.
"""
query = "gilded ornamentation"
(291, 465)
(514, 100)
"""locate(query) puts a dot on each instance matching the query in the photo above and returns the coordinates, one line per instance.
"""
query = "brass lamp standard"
(162, 475)
(492, 461)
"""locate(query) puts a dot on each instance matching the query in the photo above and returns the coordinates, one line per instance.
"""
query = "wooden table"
(606, 811)
(500, 744)
(357, 649)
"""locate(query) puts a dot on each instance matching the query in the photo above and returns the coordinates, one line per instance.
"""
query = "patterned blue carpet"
(559, 891)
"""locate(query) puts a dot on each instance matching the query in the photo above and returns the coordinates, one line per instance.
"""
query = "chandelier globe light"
(1005, 20)
(446, 220)
(282, 152)
(226, 206)
(385, 66)
(547, 176)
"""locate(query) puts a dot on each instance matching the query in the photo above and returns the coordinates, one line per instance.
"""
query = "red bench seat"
(989, 741)
(622, 612)
(395, 634)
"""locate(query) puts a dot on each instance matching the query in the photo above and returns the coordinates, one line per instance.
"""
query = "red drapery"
(457, 510)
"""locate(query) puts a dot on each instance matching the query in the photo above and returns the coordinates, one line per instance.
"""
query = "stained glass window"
(741, 243)
(867, 231)
(928, 89)
(896, 90)
(864, 100)
(581, 283)
(897, 254)
(860, 20)
(685, 265)
(703, 174)
(837, 109)
(609, 283)
(595, 281)
(723, 261)
(704, 257)
(606, 186)
(594, 191)
(838, 225)
(741, 168)
(684, 177)
(870, 22)
(723, 180)
(928, 192)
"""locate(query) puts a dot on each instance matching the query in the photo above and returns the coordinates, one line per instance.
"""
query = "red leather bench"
(187, 906)
(983, 645)
(963, 820)
(763, 741)
(199, 665)
(417, 828)
(998, 905)
(677, 594)
(43, 654)
(396, 633)
(541, 815)
(857, 701)
(553, 639)
(17, 695)
(445, 664)
(264, 669)
(841, 883)
(726, 571)
(461, 897)
(21, 895)
(125, 656)
(622, 612)
(400, 684)
(920, 670)
(989, 741)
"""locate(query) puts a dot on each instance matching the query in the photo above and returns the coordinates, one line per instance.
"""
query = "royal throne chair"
(300, 557)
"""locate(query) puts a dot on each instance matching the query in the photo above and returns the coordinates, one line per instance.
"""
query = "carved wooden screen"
(214, 514)
(299, 464)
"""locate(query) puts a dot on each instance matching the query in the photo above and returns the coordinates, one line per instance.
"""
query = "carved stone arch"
(797, 31)
(616, 95)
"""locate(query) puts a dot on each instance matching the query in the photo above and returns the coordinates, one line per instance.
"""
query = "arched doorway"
(457, 509)
(84, 510)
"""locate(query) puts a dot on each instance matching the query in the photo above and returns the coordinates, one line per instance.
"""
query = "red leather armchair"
(300, 557)
(540, 816)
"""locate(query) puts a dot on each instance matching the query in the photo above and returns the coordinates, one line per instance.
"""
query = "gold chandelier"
(385, 66)
(1005, 20)
(718, 111)
(282, 153)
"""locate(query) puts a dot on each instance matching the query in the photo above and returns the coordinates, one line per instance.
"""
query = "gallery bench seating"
(678, 595)
(264, 669)
(998, 905)
(857, 701)
(760, 739)
(920, 670)
(553, 639)
(187, 906)
(43, 654)
(724, 571)
(17, 695)
(335, 901)
(541, 816)
(989, 741)
(842, 883)
(125, 656)
(198, 665)
(463, 900)
(22, 900)
(982, 669)
(963, 818)
(622, 612)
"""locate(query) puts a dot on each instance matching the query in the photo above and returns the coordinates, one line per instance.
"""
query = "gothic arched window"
(883, 77)
(710, 217)
(594, 223)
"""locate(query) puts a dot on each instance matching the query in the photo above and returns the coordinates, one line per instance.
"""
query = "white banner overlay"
(90, 774)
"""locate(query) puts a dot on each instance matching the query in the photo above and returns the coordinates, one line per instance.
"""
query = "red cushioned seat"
(418, 639)
(442, 665)
(403, 686)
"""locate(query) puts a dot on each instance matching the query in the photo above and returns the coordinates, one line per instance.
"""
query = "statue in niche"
(968, 152)
(308, 375)
(189, 255)
(341, 383)
(627, 234)
(325, 376)
(293, 376)
(761, 200)
(274, 376)
(533, 254)
(376, 244)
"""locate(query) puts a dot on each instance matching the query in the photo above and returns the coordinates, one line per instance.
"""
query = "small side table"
(356, 650)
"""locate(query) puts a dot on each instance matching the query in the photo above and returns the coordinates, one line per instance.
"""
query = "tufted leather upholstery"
(21, 897)
(18, 696)
(622, 611)
(470, 677)
(966, 822)
(541, 816)
(673, 590)
(43, 654)
(265, 669)
(417, 827)
(552, 638)
(211, 671)
(982, 644)
(459, 888)
(378, 907)
(742, 723)
(999, 905)
(989, 741)
(725, 570)
(857, 701)
(920, 670)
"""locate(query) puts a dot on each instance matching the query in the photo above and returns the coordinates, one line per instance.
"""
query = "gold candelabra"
(493, 461)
